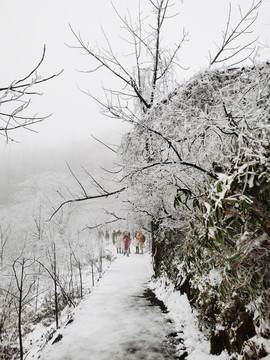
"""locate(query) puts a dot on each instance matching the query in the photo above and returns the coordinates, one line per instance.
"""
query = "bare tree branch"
(229, 49)
(18, 96)
(70, 201)
(101, 142)
(140, 81)
(78, 181)
(97, 184)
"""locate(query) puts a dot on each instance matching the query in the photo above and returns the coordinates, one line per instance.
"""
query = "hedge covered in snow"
(198, 165)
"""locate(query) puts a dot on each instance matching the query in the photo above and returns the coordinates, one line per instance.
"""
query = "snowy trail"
(116, 321)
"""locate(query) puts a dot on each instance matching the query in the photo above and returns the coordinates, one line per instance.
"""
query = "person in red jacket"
(127, 241)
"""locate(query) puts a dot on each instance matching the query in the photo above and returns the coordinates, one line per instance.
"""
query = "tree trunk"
(56, 304)
(20, 314)
(81, 283)
(55, 287)
(93, 278)
(71, 284)
(156, 249)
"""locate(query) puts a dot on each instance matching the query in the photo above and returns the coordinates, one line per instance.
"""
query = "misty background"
(65, 137)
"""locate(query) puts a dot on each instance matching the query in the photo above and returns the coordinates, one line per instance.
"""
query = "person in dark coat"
(113, 237)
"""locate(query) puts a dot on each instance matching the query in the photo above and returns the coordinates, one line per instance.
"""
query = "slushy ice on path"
(117, 320)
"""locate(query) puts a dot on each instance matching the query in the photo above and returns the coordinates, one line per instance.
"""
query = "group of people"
(122, 241)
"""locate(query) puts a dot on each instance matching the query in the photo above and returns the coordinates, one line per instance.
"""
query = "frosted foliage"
(212, 110)
(197, 165)
(210, 119)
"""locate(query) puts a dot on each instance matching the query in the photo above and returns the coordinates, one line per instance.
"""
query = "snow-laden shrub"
(202, 156)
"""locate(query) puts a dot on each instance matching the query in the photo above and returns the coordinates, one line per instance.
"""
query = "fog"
(19, 164)
(66, 135)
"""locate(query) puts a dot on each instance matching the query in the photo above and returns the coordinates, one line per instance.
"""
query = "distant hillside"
(19, 163)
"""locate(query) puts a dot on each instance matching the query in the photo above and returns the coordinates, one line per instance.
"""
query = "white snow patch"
(185, 318)
(215, 277)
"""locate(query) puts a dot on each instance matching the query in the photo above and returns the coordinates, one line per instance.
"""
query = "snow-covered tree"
(214, 135)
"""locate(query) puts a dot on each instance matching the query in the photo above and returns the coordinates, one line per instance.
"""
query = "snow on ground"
(116, 321)
(186, 324)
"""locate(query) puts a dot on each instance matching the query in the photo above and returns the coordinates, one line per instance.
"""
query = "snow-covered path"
(116, 321)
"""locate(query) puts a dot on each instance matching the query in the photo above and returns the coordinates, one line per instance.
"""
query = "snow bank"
(186, 324)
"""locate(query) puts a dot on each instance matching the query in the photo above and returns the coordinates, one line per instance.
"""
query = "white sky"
(26, 25)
